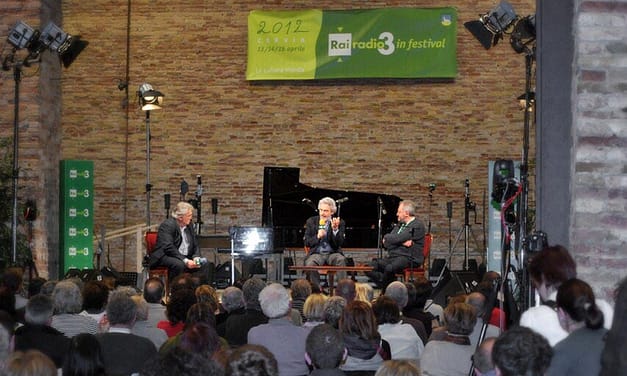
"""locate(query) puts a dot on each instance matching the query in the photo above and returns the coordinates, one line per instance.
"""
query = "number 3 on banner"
(388, 39)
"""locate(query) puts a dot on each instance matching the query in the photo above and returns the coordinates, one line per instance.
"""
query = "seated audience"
(251, 360)
(176, 311)
(206, 293)
(300, 290)
(398, 292)
(404, 341)
(34, 286)
(84, 357)
(197, 313)
(614, 356)
(314, 310)
(29, 363)
(402, 367)
(478, 301)
(482, 358)
(364, 292)
(181, 362)
(366, 350)
(521, 352)
(232, 303)
(415, 307)
(332, 310)
(5, 345)
(238, 325)
(145, 328)
(424, 290)
(95, 295)
(200, 338)
(153, 294)
(580, 352)
(280, 336)
(451, 355)
(346, 289)
(68, 303)
(325, 351)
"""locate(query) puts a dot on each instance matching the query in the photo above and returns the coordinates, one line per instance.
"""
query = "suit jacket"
(124, 353)
(169, 240)
(414, 230)
(311, 235)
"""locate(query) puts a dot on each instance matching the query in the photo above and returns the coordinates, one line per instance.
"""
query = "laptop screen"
(252, 240)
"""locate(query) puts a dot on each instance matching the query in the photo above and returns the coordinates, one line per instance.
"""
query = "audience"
(35, 285)
(153, 294)
(478, 301)
(332, 310)
(251, 360)
(346, 289)
(364, 292)
(232, 304)
(415, 307)
(482, 358)
(580, 352)
(181, 362)
(207, 294)
(68, 303)
(5, 345)
(200, 338)
(404, 341)
(325, 351)
(123, 352)
(37, 334)
(314, 310)
(176, 311)
(95, 295)
(521, 352)
(29, 363)
(366, 350)
(400, 367)
(280, 336)
(451, 355)
(145, 328)
(238, 325)
(300, 291)
(197, 313)
(614, 355)
(424, 290)
(84, 357)
(398, 292)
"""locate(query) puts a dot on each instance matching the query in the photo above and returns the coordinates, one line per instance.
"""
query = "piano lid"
(287, 204)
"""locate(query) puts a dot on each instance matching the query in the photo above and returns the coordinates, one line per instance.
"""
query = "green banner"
(375, 43)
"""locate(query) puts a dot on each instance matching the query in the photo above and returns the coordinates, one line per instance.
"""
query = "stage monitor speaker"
(455, 283)
(222, 276)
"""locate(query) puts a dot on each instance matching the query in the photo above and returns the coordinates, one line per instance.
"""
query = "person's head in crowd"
(386, 310)
(423, 291)
(200, 337)
(614, 355)
(232, 298)
(179, 303)
(127, 290)
(48, 287)
(251, 289)
(314, 307)
(300, 289)
(7, 301)
(482, 358)
(325, 347)
(520, 351)
(12, 278)
(358, 320)
(457, 298)
(5, 345)
(29, 363)
(346, 289)
(398, 292)
(84, 357)
(460, 318)
(67, 297)
(478, 301)
(95, 295)
(364, 292)
(181, 362)
(275, 301)
(207, 294)
(398, 367)
(39, 310)
(201, 312)
(121, 310)
(251, 360)
(34, 286)
(315, 288)
(576, 306)
(333, 309)
(143, 310)
(183, 281)
(549, 268)
(153, 290)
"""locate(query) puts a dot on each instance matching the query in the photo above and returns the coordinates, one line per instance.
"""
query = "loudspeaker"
(222, 276)
(455, 283)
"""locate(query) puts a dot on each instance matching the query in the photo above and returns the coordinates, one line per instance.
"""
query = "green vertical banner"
(76, 215)
(374, 43)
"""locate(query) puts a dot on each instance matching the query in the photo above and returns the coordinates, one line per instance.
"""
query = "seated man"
(177, 246)
(404, 245)
(324, 236)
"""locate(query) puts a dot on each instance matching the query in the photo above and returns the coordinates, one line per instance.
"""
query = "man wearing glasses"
(324, 236)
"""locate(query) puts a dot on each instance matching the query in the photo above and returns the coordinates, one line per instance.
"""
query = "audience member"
(183, 281)
(314, 310)
(7, 304)
(197, 313)
(332, 310)
(300, 290)
(580, 352)
(29, 363)
(48, 287)
(366, 350)
(346, 289)
(280, 336)
(614, 356)
(404, 341)
(145, 328)
(478, 301)
(206, 293)
(521, 352)
(200, 338)
(451, 355)
(364, 292)
(13, 279)
(5, 345)
(176, 311)
(482, 358)
(424, 290)
(498, 316)
(37, 334)
(34, 286)
(238, 325)
(123, 352)
(325, 351)
(415, 307)
(401, 367)
(398, 292)
(68, 303)
(181, 362)
(153, 294)
(251, 360)
(95, 295)
(232, 304)
(84, 357)
(548, 269)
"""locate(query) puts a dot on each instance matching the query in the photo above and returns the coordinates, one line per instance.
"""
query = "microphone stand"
(198, 204)
(380, 215)
(467, 206)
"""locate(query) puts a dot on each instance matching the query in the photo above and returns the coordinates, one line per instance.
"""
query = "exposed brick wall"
(599, 226)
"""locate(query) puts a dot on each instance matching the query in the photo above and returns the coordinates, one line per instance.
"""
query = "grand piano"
(287, 204)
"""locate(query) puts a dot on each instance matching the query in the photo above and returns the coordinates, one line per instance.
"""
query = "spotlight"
(522, 101)
(22, 35)
(524, 35)
(67, 46)
(149, 99)
(490, 27)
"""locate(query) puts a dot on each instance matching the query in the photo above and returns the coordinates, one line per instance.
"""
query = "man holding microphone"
(324, 236)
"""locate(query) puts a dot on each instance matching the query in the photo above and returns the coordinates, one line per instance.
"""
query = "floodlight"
(22, 35)
(490, 27)
(149, 99)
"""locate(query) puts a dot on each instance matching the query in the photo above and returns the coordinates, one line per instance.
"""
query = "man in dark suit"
(404, 244)
(324, 236)
(177, 246)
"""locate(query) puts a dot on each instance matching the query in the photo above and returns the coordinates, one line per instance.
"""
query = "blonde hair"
(364, 292)
(313, 309)
(181, 209)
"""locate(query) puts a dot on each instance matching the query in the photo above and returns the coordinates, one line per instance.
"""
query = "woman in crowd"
(314, 310)
(403, 339)
(84, 357)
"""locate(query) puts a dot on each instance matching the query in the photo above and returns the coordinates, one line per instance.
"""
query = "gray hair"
(121, 309)
(67, 297)
(251, 289)
(397, 291)
(232, 298)
(333, 309)
(181, 209)
(142, 307)
(409, 206)
(329, 201)
(39, 310)
(275, 301)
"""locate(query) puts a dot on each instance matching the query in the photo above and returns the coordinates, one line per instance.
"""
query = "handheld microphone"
(322, 224)
(380, 202)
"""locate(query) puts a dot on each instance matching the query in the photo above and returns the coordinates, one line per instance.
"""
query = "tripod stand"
(466, 231)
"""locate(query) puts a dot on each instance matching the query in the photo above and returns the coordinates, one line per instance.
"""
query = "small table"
(331, 270)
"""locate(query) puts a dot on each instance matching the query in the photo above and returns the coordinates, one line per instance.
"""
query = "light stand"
(381, 211)
(466, 231)
(17, 76)
(148, 185)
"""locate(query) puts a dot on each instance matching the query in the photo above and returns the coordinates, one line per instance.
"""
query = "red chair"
(409, 273)
(160, 272)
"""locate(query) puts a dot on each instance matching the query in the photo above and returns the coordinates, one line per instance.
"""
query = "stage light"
(149, 99)
(22, 35)
(523, 35)
(67, 46)
(490, 27)
(522, 101)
